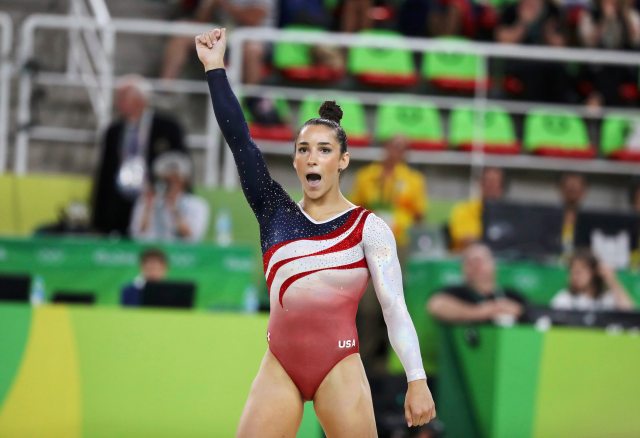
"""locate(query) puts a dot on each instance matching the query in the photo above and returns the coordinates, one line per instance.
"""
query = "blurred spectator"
(466, 18)
(414, 17)
(165, 211)
(397, 194)
(480, 298)
(153, 267)
(530, 22)
(355, 15)
(309, 12)
(534, 22)
(592, 286)
(130, 146)
(392, 190)
(178, 47)
(610, 24)
(465, 223)
(230, 13)
(573, 189)
(314, 14)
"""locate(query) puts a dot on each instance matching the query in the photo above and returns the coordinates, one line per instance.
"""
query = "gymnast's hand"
(419, 408)
(210, 47)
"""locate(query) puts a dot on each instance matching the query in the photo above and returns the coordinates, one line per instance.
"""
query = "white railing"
(6, 33)
(90, 55)
(211, 140)
(477, 158)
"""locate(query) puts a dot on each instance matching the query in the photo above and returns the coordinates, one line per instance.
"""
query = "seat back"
(559, 130)
(416, 121)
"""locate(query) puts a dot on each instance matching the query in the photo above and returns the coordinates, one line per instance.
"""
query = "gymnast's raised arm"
(259, 188)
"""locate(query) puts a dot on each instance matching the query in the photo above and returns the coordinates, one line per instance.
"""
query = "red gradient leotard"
(316, 271)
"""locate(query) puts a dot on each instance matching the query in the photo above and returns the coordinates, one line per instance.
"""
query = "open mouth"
(313, 179)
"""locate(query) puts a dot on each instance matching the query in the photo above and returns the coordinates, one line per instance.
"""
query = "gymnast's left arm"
(384, 267)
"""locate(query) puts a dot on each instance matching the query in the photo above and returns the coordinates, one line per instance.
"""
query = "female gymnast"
(317, 255)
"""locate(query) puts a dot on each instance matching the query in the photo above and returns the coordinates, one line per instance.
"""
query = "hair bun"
(330, 110)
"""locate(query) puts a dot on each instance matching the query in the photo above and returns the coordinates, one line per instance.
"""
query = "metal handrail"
(6, 34)
(480, 100)
(100, 11)
(90, 54)
(211, 141)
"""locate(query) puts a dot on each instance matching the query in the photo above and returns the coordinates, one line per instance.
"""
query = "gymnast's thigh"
(343, 402)
(274, 406)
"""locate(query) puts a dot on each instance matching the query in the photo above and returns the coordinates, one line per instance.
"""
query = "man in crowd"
(130, 146)
(573, 189)
(465, 223)
(479, 298)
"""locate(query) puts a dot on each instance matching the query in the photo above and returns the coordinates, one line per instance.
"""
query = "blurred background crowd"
(511, 179)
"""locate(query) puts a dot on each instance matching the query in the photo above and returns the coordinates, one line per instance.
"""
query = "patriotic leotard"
(316, 271)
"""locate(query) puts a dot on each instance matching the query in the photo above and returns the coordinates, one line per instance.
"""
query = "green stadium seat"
(419, 122)
(498, 136)
(382, 67)
(453, 71)
(558, 134)
(614, 138)
(353, 119)
(280, 132)
(295, 61)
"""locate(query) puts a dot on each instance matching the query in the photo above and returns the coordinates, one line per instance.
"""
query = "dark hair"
(153, 254)
(588, 258)
(330, 116)
(567, 175)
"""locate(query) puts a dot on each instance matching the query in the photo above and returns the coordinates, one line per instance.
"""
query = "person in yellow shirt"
(392, 190)
(465, 223)
(572, 189)
(397, 194)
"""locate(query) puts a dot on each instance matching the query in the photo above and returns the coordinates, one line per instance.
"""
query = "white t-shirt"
(565, 300)
(162, 226)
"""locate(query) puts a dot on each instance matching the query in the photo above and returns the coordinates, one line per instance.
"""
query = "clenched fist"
(210, 47)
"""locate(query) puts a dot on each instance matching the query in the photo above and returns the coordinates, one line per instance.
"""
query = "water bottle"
(37, 291)
(251, 302)
(223, 228)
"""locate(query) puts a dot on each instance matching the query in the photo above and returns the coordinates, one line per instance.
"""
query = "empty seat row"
(558, 134)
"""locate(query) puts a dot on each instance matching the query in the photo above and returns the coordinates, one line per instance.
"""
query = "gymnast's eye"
(302, 149)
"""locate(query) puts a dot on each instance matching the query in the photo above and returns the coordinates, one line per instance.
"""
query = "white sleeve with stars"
(384, 266)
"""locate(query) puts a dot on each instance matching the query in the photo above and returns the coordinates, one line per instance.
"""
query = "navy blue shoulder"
(290, 223)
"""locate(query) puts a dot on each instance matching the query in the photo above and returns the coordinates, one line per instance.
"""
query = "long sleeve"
(384, 266)
(261, 191)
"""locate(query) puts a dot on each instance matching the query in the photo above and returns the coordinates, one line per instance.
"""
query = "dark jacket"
(111, 211)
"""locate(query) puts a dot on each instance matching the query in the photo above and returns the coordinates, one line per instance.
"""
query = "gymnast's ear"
(345, 158)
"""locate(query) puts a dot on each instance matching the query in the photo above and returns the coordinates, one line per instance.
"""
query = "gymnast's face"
(317, 159)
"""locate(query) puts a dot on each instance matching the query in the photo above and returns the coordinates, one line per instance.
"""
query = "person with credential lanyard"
(130, 146)
(318, 255)
(397, 194)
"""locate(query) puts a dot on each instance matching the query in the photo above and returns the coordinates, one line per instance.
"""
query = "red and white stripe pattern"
(289, 261)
